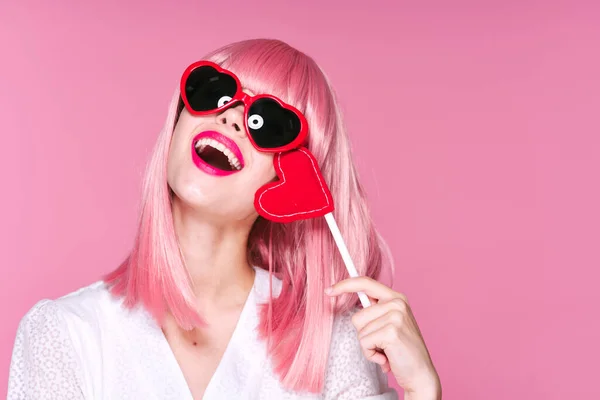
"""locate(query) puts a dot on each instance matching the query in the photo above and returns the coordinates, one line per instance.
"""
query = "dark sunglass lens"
(271, 125)
(207, 89)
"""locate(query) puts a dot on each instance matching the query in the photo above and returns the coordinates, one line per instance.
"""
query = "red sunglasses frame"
(247, 100)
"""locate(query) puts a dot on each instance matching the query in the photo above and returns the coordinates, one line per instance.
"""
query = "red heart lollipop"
(301, 192)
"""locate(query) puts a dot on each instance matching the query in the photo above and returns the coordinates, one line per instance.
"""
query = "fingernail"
(329, 290)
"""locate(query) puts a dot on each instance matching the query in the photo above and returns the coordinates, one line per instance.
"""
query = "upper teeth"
(233, 160)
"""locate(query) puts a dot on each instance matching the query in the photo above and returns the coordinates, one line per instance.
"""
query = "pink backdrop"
(475, 126)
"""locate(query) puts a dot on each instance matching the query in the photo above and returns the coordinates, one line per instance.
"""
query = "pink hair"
(297, 324)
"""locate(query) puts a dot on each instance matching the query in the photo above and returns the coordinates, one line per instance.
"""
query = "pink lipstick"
(216, 154)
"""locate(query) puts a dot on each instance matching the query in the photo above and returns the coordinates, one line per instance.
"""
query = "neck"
(215, 255)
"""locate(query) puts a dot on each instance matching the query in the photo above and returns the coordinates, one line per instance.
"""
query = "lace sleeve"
(44, 365)
(349, 374)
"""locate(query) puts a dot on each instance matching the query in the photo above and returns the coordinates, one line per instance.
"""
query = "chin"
(215, 205)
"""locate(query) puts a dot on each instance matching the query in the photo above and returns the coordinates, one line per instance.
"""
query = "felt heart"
(301, 192)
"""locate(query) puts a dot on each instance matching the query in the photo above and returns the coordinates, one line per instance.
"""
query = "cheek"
(265, 171)
(174, 157)
(180, 145)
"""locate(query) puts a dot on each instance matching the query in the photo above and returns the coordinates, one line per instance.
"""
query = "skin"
(213, 226)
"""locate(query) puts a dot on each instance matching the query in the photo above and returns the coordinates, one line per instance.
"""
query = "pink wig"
(297, 324)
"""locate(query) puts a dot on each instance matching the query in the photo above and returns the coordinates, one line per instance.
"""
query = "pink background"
(475, 125)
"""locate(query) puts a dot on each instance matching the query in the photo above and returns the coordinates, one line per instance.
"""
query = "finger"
(378, 357)
(386, 367)
(374, 344)
(369, 286)
(392, 317)
(366, 315)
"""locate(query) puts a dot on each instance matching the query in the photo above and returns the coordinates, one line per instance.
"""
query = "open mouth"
(217, 155)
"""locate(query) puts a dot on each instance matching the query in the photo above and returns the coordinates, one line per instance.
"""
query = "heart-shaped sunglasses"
(271, 124)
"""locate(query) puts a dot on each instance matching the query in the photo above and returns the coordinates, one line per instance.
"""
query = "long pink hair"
(297, 324)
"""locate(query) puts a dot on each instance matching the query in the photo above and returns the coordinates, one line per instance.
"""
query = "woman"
(214, 301)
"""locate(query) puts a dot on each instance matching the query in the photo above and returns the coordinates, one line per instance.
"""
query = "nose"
(233, 117)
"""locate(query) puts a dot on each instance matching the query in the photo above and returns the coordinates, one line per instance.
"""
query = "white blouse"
(86, 345)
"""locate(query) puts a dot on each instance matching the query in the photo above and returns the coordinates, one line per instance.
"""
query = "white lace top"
(86, 345)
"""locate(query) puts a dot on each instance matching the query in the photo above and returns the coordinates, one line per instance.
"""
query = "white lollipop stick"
(341, 245)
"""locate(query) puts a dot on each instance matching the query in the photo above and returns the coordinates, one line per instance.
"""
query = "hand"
(389, 336)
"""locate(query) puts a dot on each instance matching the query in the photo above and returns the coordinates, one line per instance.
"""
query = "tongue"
(215, 158)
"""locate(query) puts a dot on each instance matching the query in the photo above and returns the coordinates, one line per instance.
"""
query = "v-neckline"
(241, 322)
